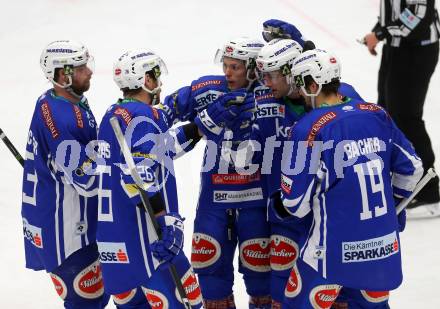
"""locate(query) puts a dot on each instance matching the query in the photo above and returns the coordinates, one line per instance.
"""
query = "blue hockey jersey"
(124, 231)
(222, 183)
(356, 159)
(59, 194)
(274, 119)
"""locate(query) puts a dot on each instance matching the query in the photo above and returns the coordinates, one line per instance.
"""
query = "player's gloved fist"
(212, 119)
(171, 243)
(274, 29)
(241, 125)
(401, 218)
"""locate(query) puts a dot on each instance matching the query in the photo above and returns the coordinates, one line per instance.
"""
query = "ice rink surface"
(186, 34)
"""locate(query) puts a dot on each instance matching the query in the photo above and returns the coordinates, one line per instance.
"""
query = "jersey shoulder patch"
(205, 81)
(318, 124)
(49, 120)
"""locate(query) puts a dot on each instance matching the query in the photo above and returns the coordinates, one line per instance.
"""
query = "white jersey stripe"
(71, 217)
(57, 223)
(408, 182)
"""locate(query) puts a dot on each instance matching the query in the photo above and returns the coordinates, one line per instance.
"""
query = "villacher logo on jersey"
(113, 252)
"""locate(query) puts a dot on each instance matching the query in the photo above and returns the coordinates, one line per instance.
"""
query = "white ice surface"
(186, 34)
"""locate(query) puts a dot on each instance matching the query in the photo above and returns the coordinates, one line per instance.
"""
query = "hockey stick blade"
(425, 179)
(11, 148)
(126, 152)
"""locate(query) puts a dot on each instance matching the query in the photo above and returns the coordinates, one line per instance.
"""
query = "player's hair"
(56, 74)
(127, 92)
(327, 89)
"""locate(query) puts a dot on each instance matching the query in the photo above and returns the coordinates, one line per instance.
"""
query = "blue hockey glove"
(401, 219)
(171, 243)
(241, 124)
(212, 119)
(274, 29)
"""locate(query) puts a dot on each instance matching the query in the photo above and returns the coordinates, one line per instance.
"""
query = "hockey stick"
(11, 147)
(126, 152)
(425, 179)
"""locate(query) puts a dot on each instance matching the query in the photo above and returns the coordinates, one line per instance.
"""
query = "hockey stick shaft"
(422, 183)
(11, 148)
(126, 152)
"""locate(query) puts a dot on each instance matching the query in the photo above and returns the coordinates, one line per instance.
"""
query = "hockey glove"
(241, 124)
(171, 243)
(401, 218)
(212, 119)
(275, 29)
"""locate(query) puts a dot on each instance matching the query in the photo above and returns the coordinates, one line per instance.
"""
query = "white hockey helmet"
(242, 48)
(321, 65)
(130, 69)
(64, 54)
(278, 54)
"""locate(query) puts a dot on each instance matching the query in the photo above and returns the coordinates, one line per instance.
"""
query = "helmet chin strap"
(67, 86)
(153, 92)
(72, 92)
(289, 80)
(312, 95)
(250, 80)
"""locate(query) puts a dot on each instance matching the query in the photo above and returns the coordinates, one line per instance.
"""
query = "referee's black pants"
(404, 77)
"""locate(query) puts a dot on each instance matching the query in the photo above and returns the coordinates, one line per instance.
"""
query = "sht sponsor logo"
(205, 250)
(370, 249)
(238, 196)
(113, 252)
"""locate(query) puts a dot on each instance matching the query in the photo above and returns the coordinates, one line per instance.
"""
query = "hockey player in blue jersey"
(133, 260)
(347, 298)
(59, 206)
(356, 164)
(277, 111)
(228, 202)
